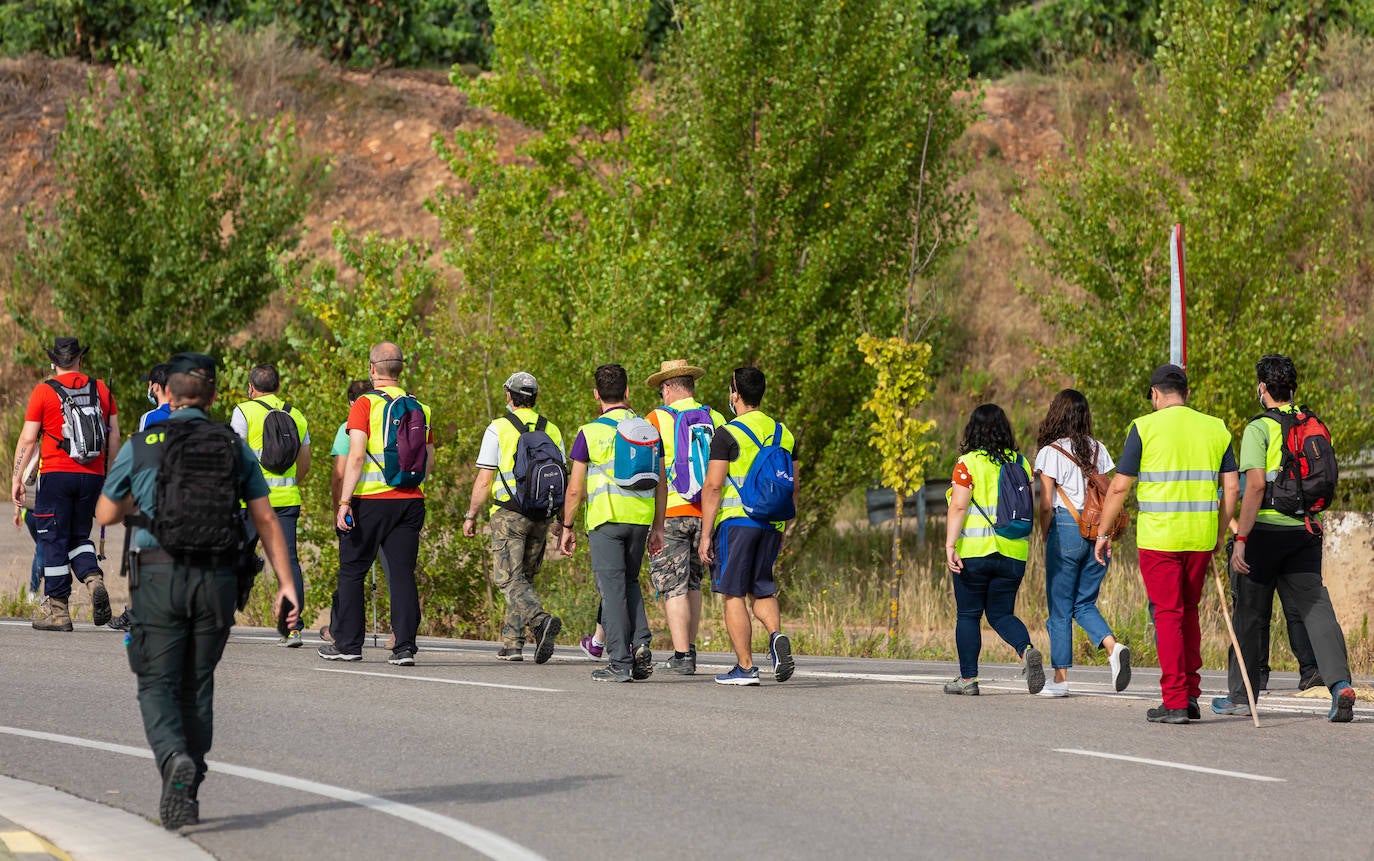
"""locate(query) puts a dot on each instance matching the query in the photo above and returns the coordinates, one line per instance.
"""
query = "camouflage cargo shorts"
(678, 569)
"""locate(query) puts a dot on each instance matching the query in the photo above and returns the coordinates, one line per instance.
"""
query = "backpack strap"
(520, 427)
(742, 426)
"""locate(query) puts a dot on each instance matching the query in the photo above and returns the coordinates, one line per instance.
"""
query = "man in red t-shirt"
(70, 487)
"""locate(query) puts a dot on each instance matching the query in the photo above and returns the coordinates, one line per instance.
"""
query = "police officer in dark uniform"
(183, 606)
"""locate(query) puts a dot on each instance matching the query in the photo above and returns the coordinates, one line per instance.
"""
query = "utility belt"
(243, 565)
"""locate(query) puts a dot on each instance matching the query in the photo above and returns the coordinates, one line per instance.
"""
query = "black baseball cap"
(158, 374)
(195, 364)
(1170, 375)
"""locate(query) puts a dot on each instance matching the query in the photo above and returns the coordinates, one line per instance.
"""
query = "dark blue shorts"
(744, 560)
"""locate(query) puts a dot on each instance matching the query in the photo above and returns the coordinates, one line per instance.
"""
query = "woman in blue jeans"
(1068, 451)
(987, 568)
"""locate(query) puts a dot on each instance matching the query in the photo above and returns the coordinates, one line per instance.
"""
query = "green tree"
(801, 140)
(173, 206)
(1228, 150)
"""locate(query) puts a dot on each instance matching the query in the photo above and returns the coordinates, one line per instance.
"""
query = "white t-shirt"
(489, 455)
(1066, 473)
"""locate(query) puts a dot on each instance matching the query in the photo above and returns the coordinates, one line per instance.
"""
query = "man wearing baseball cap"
(518, 534)
(1179, 456)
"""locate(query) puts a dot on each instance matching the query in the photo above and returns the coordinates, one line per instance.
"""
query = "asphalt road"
(463, 756)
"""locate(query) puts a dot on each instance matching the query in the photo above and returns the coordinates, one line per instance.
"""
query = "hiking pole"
(373, 572)
(1235, 644)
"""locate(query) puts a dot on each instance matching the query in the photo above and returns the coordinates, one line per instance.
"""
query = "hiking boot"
(325, 635)
(1224, 706)
(1159, 714)
(192, 811)
(511, 654)
(1033, 666)
(331, 653)
(1120, 660)
(402, 658)
(643, 666)
(592, 649)
(1194, 712)
(1312, 681)
(610, 673)
(178, 774)
(292, 640)
(100, 599)
(52, 615)
(780, 650)
(739, 676)
(958, 685)
(1342, 704)
(544, 637)
(122, 622)
(683, 666)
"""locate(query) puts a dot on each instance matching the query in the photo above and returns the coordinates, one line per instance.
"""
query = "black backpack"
(83, 421)
(281, 439)
(198, 490)
(541, 480)
(1308, 472)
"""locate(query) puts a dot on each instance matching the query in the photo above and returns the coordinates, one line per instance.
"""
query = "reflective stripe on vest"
(608, 502)
(977, 537)
(1181, 454)
(762, 426)
(507, 438)
(282, 489)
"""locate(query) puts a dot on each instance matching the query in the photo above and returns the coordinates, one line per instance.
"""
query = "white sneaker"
(1120, 659)
(1054, 689)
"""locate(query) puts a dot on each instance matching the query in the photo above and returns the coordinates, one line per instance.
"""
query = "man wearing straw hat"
(1179, 455)
(686, 426)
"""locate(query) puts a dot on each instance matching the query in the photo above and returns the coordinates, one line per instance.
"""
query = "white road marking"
(486, 842)
(1166, 764)
(409, 678)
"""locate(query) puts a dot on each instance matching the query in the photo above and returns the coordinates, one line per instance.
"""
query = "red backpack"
(1308, 473)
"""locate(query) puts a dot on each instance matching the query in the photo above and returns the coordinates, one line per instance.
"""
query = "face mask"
(1259, 395)
(733, 411)
(152, 400)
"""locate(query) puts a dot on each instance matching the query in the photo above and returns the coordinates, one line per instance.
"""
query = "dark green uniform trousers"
(181, 617)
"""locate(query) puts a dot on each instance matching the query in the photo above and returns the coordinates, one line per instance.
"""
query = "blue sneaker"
(1224, 706)
(739, 676)
(1342, 704)
(780, 650)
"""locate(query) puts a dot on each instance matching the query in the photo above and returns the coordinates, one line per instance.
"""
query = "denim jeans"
(989, 585)
(1073, 577)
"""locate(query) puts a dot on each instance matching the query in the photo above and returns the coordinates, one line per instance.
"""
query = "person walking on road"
(986, 568)
(278, 434)
(75, 416)
(382, 507)
(1274, 551)
(1068, 454)
(1180, 457)
(183, 603)
(686, 427)
(619, 518)
(741, 550)
(516, 441)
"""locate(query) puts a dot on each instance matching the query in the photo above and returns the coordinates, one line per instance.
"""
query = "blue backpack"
(405, 440)
(692, 433)
(766, 493)
(1015, 501)
(636, 458)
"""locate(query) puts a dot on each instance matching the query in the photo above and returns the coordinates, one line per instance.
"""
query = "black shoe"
(1263, 682)
(193, 812)
(611, 673)
(100, 603)
(511, 655)
(643, 663)
(331, 653)
(780, 650)
(1312, 681)
(1194, 712)
(1159, 714)
(402, 658)
(178, 774)
(544, 637)
(122, 622)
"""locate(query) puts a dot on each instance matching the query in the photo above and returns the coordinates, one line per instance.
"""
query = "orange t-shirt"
(360, 418)
(45, 407)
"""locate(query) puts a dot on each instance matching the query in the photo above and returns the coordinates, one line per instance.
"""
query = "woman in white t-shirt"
(1072, 575)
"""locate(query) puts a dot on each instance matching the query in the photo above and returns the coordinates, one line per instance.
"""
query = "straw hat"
(674, 368)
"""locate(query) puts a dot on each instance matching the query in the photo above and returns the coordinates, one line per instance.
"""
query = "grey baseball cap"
(523, 383)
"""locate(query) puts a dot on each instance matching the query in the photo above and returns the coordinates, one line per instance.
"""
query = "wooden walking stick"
(1235, 644)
